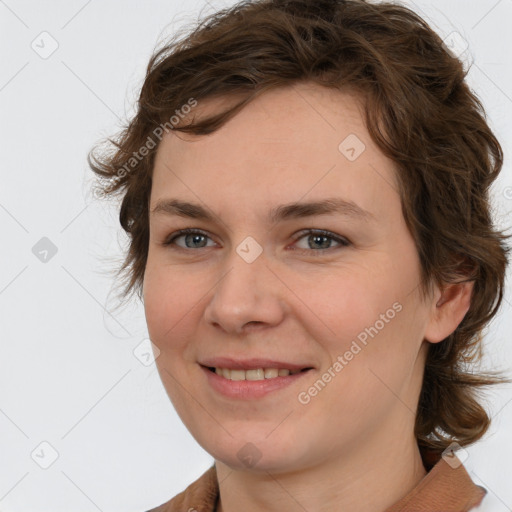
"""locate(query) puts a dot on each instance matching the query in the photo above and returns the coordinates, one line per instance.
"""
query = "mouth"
(252, 383)
(254, 374)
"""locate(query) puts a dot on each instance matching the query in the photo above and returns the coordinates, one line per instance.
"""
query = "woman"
(305, 184)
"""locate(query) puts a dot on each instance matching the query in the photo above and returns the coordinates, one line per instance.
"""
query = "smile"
(254, 374)
(250, 384)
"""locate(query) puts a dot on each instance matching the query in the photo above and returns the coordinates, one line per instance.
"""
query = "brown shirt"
(443, 489)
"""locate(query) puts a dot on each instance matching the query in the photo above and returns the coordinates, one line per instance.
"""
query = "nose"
(246, 296)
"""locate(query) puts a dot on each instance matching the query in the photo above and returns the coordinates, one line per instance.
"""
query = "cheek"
(171, 299)
(342, 304)
(378, 342)
(171, 309)
(365, 319)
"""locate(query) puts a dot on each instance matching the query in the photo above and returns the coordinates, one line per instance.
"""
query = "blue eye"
(319, 238)
(191, 235)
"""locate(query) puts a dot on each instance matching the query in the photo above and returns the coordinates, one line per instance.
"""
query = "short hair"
(418, 110)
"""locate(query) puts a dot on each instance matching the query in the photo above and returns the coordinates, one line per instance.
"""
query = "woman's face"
(245, 287)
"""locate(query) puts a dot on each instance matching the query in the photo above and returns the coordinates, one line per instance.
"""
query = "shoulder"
(447, 486)
(200, 496)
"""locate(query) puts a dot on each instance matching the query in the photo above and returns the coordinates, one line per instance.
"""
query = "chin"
(258, 455)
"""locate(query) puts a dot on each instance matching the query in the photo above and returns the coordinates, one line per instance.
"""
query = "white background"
(68, 374)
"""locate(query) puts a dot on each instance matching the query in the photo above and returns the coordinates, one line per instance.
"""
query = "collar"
(443, 489)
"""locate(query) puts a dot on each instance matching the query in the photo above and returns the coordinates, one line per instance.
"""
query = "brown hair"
(418, 110)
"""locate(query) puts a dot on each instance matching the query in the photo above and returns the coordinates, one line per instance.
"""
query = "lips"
(251, 389)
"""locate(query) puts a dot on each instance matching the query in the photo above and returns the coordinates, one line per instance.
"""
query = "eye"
(319, 238)
(191, 236)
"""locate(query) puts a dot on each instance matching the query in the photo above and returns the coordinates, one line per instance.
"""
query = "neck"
(370, 478)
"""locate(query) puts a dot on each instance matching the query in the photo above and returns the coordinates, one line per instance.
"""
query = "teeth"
(237, 375)
(256, 374)
(271, 372)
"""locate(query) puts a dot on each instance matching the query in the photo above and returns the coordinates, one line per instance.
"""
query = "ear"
(449, 307)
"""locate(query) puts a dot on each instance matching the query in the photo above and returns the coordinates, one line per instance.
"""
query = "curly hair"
(419, 111)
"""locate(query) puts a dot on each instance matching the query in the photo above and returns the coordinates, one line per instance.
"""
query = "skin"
(352, 447)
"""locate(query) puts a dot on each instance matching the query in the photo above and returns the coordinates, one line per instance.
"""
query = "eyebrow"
(279, 213)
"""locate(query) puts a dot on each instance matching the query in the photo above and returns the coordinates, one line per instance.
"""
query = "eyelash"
(342, 241)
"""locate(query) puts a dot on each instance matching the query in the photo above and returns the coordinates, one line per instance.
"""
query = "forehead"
(300, 141)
